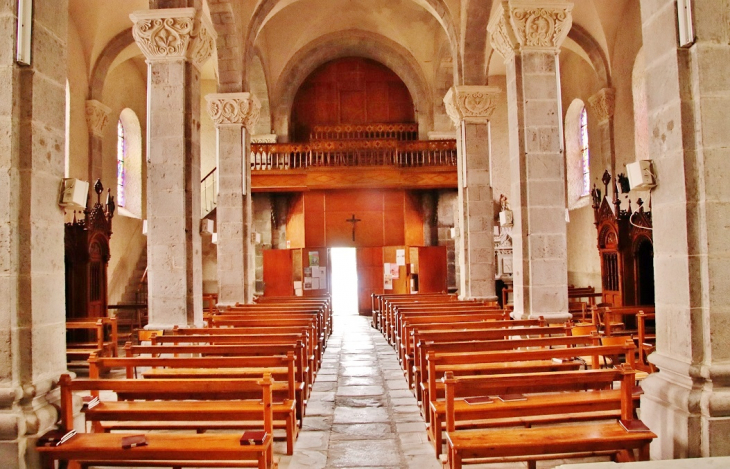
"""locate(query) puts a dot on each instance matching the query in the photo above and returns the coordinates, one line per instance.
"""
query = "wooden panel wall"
(295, 223)
(350, 90)
(388, 218)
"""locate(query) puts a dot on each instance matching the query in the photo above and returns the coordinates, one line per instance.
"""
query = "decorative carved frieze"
(529, 25)
(97, 116)
(263, 138)
(234, 109)
(170, 34)
(471, 103)
(603, 104)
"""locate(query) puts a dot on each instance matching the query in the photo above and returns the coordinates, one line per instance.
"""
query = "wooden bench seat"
(167, 449)
(87, 336)
(533, 443)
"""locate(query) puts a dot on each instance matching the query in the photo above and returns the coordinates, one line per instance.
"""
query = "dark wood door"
(278, 272)
(432, 269)
(369, 276)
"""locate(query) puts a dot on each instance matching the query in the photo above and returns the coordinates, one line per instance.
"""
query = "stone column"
(687, 403)
(602, 106)
(97, 117)
(528, 34)
(234, 115)
(470, 108)
(32, 298)
(176, 42)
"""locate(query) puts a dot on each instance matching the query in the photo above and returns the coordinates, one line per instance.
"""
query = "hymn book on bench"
(512, 397)
(253, 437)
(133, 441)
(478, 400)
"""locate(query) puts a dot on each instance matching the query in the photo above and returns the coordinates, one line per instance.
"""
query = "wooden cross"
(353, 220)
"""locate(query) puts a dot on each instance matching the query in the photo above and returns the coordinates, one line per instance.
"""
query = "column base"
(689, 412)
(21, 427)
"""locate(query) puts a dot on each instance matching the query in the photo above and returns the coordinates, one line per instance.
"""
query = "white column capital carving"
(97, 116)
(603, 104)
(264, 138)
(530, 25)
(471, 103)
(173, 34)
(234, 109)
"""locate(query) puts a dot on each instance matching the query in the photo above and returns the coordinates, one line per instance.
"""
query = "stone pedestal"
(233, 114)
(97, 118)
(176, 42)
(470, 108)
(687, 403)
(32, 302)
(528, 34)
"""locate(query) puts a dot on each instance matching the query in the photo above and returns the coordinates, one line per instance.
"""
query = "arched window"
(121, 156)
(585, 156)
(129, 164)
(577, 155)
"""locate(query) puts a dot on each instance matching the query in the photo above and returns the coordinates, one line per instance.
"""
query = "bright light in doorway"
(344, 281)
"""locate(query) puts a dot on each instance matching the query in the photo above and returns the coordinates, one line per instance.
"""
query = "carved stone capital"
(234, 109)
(603, 104)
(97, 116)
(164, 34)
(171, 34)
(471, 103)
(529, 25)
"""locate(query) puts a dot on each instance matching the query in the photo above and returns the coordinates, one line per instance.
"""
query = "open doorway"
(344, 281)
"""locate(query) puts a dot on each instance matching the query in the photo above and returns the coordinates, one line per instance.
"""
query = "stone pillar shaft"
(537, 158)
(176, 42)
(470, 108)
(32, 298)
(602, 105)
(687, 403)
(233, 113)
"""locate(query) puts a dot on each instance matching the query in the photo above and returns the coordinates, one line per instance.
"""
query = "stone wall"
(447, 214)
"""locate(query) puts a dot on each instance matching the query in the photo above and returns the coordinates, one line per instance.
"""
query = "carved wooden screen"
(611, 265)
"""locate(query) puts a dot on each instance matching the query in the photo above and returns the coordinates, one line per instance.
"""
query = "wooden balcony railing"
(364, 131)
(357, 153)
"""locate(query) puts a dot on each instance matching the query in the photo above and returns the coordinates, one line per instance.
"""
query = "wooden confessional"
(625, 247)
(86, 258)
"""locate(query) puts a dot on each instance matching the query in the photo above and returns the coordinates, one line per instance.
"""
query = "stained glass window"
(585, 153)
(121, 155)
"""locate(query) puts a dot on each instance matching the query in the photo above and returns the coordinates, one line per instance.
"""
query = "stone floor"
(361, 413)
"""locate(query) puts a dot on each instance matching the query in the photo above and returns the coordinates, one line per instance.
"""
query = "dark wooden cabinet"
(626, 249)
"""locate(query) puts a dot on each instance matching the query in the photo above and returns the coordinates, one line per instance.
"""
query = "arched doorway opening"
(644, 262)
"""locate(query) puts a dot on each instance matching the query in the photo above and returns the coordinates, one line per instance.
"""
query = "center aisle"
(361, 413)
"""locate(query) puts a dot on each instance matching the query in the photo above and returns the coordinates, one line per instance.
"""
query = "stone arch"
(350, 43)
(229, 46)
(474, 42)
(599, 61)
(437, 8)
(101, 67)
(258, 85)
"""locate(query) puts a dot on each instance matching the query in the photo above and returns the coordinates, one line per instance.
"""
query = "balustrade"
(356, 152)
(399, 131)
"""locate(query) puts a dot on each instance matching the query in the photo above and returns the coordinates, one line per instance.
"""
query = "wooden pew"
(165, 449)
(433, 407)
(513, 361)
(103, 337)
(612, 320)
(544, 442)
(378, 300)
(288, 407)
(322, 309)
(646, 340)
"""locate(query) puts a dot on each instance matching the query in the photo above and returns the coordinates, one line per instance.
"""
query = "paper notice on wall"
(297, 284)
(298, 292)
(315, 283)
(323, 277)
(394, 271)
(400, 257)
(314, 271)
(314, 258)
(387, 281)
(307, 271)
(307, 283)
